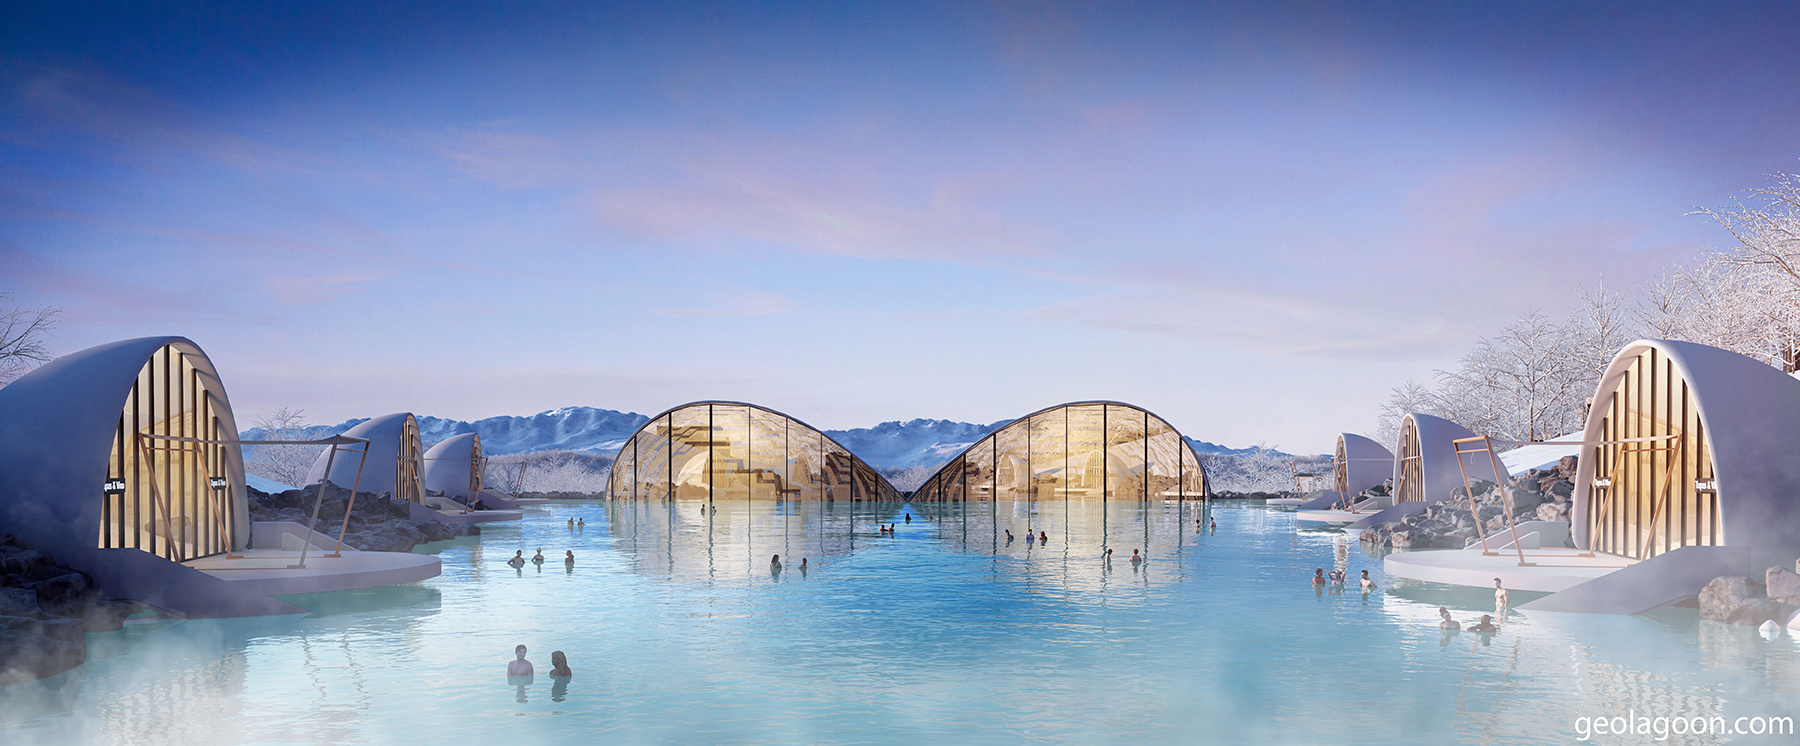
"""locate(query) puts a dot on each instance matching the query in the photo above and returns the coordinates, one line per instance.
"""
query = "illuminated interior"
(735, 451)
(1083, 451)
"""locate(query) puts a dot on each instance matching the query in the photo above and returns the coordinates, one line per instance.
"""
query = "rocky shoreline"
(46, 611)
(1537, 495)
(1747, 600)
(378, 523)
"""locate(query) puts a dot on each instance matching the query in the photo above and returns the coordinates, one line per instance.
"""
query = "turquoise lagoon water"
(944, 633)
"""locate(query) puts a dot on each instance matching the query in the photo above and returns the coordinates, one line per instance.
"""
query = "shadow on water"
(413, 596)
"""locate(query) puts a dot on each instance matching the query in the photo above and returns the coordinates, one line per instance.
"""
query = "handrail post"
(1469, 492)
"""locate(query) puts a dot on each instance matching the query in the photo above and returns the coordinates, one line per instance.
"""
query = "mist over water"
(679, 630)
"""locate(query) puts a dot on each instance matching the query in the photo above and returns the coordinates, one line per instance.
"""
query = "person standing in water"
(569, 557)
(1500, 598)
(559, 665)
(1009, 536)
(909, 518)
(1318, 576)
(538, 559)
(1043, 538)
(571, 523)
(1367, 583)
(1135, 557)
(1486, 626)
(519, 666)
(518, 559)
(1446, 623)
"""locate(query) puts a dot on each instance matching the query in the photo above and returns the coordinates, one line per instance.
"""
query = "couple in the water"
(1485, 626)
(1136, 559)
(1337, 578)
(518, 558)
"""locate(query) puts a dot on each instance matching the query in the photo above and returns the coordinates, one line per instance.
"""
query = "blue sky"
(1253, 221)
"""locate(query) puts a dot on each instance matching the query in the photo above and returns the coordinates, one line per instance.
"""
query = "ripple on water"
(679, 633)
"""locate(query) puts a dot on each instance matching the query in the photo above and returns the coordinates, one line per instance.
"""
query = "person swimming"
(1135, 557)
(1368, 584)
(538, 559)
(518, 559)
(1446, 623)
(519, 666)
(1318, 576)
(569, 557)
(559, 665)
(1486, 626)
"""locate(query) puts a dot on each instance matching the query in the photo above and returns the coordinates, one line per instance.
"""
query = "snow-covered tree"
(22, 338)
(285, 464)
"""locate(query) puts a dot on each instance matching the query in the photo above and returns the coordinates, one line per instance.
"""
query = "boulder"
(1739, 600)
(1561, 488)
(19, 602)
(1783, 585)
(1400, 539)
(27, 653)
(1553, 512)
(27, 562)
(64, 593)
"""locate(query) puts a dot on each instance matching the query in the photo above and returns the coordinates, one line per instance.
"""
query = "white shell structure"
(1361, 463)
(393, 465)
(451, 466)
(1425, 468)
(1741, 419)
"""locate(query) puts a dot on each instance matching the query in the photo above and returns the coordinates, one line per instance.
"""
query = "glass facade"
(173, 499)
(732, 451)
(1654, 496)
(1087, 451)
(1410, 487)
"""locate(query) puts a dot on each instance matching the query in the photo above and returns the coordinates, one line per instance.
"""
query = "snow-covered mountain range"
(889, 445)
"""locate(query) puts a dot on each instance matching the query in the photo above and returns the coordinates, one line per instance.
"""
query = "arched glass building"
(1077, 451)
(717, 450)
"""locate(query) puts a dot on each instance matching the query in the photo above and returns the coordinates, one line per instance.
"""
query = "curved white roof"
(1751, 412)
(449, 464)
(57, 425)
(382, 470)
(1366, 462)
(1438, 467)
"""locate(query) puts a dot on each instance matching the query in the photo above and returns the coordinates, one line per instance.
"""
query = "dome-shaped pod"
(393, 464)
(81, 480)
(1720, 468)
(453, 466)
(1425, 465)
(1360, 463)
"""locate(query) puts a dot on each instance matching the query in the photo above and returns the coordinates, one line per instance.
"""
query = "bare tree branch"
(22, 343)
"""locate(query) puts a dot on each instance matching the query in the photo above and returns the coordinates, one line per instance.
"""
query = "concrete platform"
(480, 516)
(267, 571)
(1552, 569)
(1332, 516)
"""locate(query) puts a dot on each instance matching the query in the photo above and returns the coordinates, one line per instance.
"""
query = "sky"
(1252, 219)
